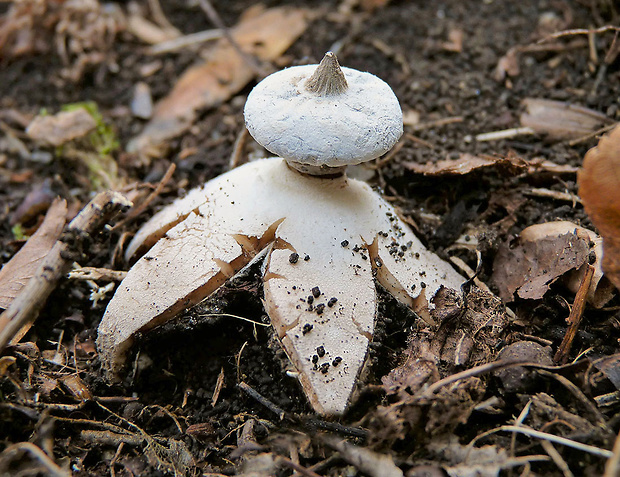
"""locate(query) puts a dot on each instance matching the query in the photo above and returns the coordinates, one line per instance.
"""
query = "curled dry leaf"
(542, 254)
(599, 189)
(465, 164)
(62, 127)
(16, 273)
(559, 120)
(265, 35)
(468, 163)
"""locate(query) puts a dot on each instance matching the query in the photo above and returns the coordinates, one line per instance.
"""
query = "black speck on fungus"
(320, 351)
(293, 257)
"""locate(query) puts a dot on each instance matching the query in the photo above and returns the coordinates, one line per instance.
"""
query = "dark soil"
(170, 397)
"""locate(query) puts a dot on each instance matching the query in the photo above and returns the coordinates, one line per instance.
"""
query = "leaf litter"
(467, 423)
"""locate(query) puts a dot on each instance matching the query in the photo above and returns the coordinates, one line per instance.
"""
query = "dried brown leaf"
(559, 120)
(265, 35)
(62, 127)
(16, 273)
(543, 253)
(468, 163)
(610, 367)
(599, 189)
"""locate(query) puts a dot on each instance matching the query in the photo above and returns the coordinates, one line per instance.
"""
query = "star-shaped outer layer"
(330, 238)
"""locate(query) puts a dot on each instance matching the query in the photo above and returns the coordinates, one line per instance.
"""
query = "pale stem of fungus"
(327, 80)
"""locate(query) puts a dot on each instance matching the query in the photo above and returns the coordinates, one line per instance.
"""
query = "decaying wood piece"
(20, 314)
(15, 274)
(331, 237)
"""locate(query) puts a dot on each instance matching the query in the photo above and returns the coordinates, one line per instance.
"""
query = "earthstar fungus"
(328, 237)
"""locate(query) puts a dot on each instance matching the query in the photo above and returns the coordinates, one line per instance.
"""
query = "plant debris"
(443, 394)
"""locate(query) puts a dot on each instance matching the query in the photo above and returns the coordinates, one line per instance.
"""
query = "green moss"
(18, 232)
(100, 162)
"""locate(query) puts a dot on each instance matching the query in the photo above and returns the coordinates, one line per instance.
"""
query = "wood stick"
(575, 316)
(23, 310)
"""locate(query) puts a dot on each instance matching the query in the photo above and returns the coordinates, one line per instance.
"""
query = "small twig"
(211, 12)
(556, 457)
(262, 400)
(578, 31)
(598, 132)
(468, 373)
(597, 416)
(238, 361)
(24, 309)
(111, 438)
(612, 467)
(575, 316)
(50, 466)
(389, 156)
(184, 41)
(307, 421)
(420, 141)
(117, 454)
(160, 17)
(228, 315)
(334, 427)
(235, 157)
(137, 210)
(549, 437)
(470, 273)
(553, 194)
(296, 467)
(519, 422)
(504, 134)
(437, 123)
(219, 384)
